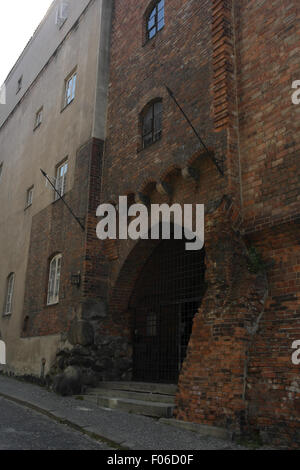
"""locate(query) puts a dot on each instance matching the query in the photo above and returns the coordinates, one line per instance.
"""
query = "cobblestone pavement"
(24, 429)
(117, 429)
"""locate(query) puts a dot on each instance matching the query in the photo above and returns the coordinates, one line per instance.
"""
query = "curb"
(201, 429)
(92, 434)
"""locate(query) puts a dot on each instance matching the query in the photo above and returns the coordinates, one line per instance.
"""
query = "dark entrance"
(166, 298)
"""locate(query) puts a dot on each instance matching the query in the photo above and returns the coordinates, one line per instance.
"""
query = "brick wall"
(267, 38)
(180, 57)
(268, 63)
(230, 65)
(273, 391)
(54, 230)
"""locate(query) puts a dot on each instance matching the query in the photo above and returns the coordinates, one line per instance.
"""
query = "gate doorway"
(165, 300)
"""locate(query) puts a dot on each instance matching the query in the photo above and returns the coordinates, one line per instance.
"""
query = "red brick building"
(230, 65)
(220, 322)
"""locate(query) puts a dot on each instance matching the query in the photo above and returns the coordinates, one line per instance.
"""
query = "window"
(9, 294)
(29, 197)
(38, 118)
(156, 19)
(152, 123)
(19, 85)
(1, 168)
(62, 12)
(70, 88)
(61, 180)
(54, 280)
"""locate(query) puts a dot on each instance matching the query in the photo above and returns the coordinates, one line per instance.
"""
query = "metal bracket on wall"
(63, 200)
(217, 163)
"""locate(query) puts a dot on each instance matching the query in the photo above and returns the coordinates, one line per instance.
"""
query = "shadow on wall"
(2, 353)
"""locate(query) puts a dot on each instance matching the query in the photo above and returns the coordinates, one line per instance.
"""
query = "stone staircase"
(155, 400)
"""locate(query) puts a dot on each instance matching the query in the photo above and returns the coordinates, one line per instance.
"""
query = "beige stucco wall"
(35, 55)
(24, 151)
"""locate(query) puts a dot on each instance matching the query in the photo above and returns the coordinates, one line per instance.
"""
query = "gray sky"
(18, 21)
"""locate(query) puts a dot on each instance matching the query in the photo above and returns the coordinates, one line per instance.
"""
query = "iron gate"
(166, 298)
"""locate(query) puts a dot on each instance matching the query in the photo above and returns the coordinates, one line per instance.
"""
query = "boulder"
(69, 382)
(81, 332)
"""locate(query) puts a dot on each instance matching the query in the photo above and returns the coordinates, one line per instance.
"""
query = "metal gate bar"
(166, 298)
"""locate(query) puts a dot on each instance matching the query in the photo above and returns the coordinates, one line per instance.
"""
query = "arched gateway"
(164, 302)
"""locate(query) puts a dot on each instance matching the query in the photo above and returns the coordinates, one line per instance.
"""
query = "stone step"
(146, 408)
(141, 395)
(163, 389)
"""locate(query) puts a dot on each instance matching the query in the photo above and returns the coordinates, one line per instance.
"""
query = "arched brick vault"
(119, 320)
(213, 380)
(128, 257)
(199, 160)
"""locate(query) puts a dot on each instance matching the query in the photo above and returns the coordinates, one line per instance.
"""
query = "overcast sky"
(18, 21)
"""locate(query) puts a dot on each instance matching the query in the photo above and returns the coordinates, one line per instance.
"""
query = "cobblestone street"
(24, 425)
(24, 429)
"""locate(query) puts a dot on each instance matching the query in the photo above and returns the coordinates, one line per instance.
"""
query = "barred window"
(156, 19)
(54, 280)
(152, 123)
(9, 294)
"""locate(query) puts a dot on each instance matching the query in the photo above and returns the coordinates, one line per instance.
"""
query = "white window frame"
(70, 88)
(29, 196)
(54, 280)
(61, 179)
(9, 294)
(62, 12)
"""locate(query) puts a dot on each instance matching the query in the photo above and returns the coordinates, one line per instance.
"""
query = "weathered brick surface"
(267, 36)
(180, 57)
(268, 63)
(54, 230)
(230, 65)
(213, 379)
(273, 386)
